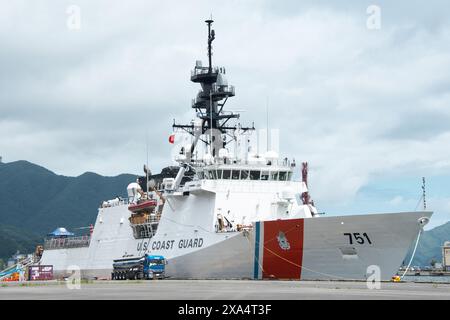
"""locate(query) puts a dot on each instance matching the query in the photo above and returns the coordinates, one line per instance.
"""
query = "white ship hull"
(313, 248)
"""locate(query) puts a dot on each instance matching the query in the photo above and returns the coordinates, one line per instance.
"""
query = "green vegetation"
(14, 239)
(34, 201)
(429, 249)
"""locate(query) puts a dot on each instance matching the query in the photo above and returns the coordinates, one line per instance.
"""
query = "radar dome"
(151, 184)
(223, 153)
(208, 158)
(221, 80)
(288, 193)
(133, 189)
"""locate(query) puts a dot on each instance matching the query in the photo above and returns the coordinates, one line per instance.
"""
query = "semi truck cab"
(154, 266)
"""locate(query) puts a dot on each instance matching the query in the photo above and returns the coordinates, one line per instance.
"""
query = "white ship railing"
(227, 89)
(203, 70)
(70, 242)
(147, 228)
(115, 202)
(150, 219)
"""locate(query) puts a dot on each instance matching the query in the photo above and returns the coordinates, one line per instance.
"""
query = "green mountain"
(13, 239)
(34, 201)
(429, 247)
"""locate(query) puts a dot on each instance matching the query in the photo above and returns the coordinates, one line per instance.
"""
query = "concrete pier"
(223, 290)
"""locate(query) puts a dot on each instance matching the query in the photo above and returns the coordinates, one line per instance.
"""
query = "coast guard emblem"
(282, 241)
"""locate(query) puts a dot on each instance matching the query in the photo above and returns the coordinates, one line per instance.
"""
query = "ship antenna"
(211, 37)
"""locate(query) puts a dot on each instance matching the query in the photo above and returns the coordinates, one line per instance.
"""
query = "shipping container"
(40, 273)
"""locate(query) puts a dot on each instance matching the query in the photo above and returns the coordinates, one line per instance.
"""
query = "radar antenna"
(210, 101)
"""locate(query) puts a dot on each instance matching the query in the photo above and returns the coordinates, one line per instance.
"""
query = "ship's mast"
(210, 101)
(211, 37)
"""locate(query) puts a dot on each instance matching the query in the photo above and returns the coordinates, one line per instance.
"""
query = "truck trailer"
(146, 267)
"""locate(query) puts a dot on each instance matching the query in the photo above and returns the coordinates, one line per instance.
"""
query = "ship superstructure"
(229, 211)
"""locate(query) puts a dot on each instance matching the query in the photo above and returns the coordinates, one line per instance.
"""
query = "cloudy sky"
(364, 100)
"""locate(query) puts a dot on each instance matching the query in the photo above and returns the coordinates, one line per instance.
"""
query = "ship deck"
(224, 290)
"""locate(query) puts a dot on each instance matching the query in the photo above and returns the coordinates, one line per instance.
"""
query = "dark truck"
(146, 267)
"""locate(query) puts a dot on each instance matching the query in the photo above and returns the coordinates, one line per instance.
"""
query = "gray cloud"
(355, 102)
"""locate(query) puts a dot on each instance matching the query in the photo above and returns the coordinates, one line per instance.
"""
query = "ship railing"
(70, 242)
(146, 228)
(237, 228)
(268, 162)
(250, 163)
(150, 220)
(203, 70)
(195, 101)
(226, 89)
(115, 202)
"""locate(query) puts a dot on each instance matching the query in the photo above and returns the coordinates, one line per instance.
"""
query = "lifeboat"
(144, 205)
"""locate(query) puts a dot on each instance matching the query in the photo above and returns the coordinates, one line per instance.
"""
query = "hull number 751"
(357, 237)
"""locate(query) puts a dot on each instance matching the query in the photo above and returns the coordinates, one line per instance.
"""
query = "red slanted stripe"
(283, 249)
(143, 205)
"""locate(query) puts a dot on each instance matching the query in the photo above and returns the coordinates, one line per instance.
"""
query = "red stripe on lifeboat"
(283, 249)
(142, 205)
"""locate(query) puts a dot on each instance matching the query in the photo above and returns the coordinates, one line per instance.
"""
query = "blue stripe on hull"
(256, 262)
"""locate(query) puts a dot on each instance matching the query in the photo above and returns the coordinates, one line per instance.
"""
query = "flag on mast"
(172, 138)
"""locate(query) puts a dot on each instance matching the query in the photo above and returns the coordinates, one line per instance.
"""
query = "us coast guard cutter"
(227, 211)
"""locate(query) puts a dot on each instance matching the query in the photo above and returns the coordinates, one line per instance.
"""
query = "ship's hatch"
(349, 253)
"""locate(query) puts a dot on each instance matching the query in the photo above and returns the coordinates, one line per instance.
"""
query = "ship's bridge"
(276, 172)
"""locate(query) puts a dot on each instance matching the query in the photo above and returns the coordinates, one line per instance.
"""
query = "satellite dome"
(288, 193)
(208, 158)
(133, 188)
(221, 80)
(223, 153)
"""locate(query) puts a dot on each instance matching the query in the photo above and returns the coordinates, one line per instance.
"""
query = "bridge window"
(265, 175)
(255, 175)
(226, 174)
(274, 175)
(245, 175)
